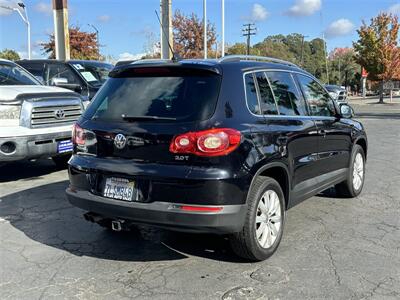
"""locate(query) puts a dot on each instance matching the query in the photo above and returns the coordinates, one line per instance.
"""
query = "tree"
(343, 67)
(189, 37)
(237, 49)
(9, 54)
(377, 49)
(83, 45)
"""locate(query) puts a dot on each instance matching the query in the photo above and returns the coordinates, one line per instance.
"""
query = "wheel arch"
(361, 141)
(278, 171)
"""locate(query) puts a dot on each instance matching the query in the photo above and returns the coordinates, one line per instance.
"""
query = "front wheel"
(262, 231)
(354, 183)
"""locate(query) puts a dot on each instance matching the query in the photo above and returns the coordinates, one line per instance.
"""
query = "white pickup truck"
(35, 120)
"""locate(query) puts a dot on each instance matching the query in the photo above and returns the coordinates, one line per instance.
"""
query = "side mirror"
(346, 111)
(59, 81)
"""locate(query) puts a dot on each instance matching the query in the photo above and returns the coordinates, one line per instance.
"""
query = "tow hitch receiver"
(116, 225)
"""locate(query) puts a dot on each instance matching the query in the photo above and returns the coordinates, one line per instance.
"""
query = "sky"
(125, 25)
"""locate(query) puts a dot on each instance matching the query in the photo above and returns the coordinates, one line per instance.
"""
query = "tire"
(247, 242)
(61, 161)
(351, 187)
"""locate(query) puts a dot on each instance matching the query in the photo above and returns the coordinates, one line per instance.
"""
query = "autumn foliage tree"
(189, 37)
(377, 49)
(83, 45)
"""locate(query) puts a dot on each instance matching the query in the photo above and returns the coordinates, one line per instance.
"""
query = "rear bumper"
(164, 214)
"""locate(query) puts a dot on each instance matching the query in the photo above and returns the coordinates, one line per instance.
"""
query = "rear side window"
(251, 94)
(267, 101)
(184, 98)
(286, 94)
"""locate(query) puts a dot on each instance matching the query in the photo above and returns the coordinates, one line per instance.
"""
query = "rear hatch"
(141, 108)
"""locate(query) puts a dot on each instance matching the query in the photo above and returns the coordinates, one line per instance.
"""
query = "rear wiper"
(144, 118)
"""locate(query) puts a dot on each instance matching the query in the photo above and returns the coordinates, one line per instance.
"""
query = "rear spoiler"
(164, 67)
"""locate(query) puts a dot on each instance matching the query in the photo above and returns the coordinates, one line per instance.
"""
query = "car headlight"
(9, 115)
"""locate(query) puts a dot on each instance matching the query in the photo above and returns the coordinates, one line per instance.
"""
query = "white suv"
(35, 120)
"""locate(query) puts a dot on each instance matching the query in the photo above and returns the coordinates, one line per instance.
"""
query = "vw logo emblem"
(59, 114)
(120, 141)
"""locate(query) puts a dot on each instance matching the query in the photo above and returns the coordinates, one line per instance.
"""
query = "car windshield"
(95, 73)
(178, 97)
(11, 74)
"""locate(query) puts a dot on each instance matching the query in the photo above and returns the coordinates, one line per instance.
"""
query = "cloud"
(34, 54)
(44, 8)
(394, 9)
(130, 56)
(338, 28)
(10, 4)
(259, 13)
(303, 8)
(103, 18)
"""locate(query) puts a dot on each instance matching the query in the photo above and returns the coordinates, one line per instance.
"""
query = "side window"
(61, 71)
(267, 101)
(251, 94)
(286, 94)
(317, 98)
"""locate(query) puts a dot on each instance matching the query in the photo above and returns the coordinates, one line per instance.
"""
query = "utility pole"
(25, 19)
(302, 50)
(205, 27)
(248, 31)
(97, 39)
(223, 27)
(326, 58)
(61, 31)
(166, 29)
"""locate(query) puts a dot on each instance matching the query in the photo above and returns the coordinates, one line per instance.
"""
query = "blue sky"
(125, 25)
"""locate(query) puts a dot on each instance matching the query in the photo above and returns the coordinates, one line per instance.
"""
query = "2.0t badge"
(120, 141)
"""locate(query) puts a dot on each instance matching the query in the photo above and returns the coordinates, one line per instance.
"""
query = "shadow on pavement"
(26, 170)
(44, 215)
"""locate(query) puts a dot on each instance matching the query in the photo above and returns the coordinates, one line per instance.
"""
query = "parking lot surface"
(331, 249)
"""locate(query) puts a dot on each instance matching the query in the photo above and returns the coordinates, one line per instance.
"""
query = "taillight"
(78, 135)
(212, 142)
(82, 138)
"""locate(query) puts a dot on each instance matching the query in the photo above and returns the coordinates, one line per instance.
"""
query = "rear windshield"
(182, 98)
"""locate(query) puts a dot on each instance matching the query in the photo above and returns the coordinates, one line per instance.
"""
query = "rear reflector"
(201, 208)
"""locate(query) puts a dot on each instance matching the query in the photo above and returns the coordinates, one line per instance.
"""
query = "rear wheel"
(262, 231)
(61, 161)
(354, 183)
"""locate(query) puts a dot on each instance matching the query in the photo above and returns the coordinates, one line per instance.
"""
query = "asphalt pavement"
(332, 248)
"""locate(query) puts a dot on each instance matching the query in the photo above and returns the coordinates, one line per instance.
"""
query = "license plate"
(64, 146)
(120, 189)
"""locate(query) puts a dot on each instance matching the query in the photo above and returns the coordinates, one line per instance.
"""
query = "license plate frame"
(64, 146)
(120, 189)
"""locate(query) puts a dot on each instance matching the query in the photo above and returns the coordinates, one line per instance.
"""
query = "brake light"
(78, 135)
(212, 142)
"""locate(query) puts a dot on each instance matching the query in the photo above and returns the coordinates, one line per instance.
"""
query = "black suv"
(82, 76)
(222, 146)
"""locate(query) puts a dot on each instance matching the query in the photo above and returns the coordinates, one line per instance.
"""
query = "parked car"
(82, 76)
(222, 146)
(35, 120)
(338, 93)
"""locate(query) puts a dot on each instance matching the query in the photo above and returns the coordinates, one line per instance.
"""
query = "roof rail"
(256, 58)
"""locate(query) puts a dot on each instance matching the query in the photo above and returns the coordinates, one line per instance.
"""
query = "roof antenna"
(175, 56)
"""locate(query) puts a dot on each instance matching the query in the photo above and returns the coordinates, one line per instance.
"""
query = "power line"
(248, 31)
